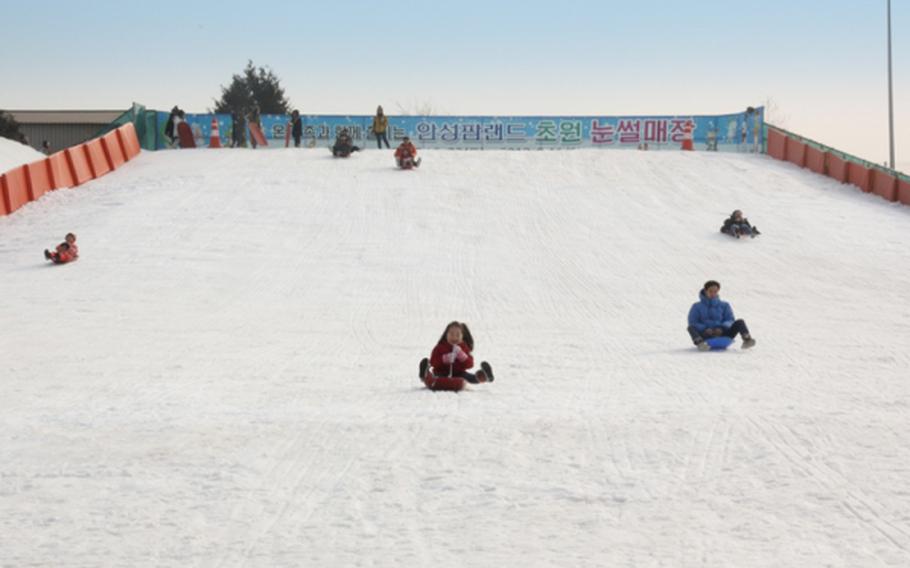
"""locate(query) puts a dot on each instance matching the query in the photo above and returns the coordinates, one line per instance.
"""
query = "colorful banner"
(728, 132)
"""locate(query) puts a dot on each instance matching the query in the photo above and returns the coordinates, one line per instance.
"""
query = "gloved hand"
(459, 353)
(449, 358)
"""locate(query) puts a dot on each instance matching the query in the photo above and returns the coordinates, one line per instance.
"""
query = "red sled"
(408, 163)
(185, 134)
(453, 384)
(256, 134)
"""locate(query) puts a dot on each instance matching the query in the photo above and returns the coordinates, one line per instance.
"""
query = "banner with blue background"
(726, 132)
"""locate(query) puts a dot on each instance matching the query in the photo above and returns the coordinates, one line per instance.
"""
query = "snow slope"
(227, 377)
(14, 154)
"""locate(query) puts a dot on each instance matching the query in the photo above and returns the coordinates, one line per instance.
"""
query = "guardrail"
(68, 168)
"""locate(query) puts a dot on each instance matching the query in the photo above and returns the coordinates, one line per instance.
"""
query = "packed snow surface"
(228, 374)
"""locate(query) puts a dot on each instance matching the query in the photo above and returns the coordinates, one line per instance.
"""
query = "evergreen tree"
(9, 128)
(255, 85)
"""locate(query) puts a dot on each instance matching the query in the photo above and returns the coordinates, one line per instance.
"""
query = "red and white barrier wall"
(786, 147)
(68, 168)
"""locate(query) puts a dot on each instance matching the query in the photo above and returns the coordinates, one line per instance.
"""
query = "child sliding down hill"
(452, 356)
(406, 155)
(738, 226)
(66, 251)
(344, 145)
(712, 317)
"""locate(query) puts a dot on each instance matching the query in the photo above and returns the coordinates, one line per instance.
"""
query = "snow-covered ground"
(14, 154)
(227, 376)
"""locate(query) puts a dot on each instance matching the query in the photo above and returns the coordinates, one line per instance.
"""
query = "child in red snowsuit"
(66, 251)
(452, 356)
(406, 155)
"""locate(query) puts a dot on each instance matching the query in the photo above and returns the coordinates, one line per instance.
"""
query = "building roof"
(65, 116)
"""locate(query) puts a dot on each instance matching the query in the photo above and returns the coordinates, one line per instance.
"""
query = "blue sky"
(822, 62)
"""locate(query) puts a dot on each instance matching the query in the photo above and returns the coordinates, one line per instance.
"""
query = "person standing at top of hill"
(296, 128)
(380, 126)
(254, 118)
(170, 127)
(712, 317)
(238, 129)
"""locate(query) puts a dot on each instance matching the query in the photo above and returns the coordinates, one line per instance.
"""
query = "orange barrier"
(815, 160)
(96, 159)
(60, 172)
(78, 162)
(112, 150)
(837, 167)
(903, 191)
(4, 201)
(68, 168)
(860, 176)
(15, 188)
(777, 144)
(885, 186)
(129, 141)
(796, 152)
(38, 176)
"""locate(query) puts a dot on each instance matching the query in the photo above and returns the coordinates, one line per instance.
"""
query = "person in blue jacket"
(712, 317)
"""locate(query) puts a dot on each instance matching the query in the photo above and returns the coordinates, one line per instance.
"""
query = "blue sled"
(719, 343)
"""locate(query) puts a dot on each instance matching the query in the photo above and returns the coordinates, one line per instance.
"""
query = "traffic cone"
(687, 137)
(215, 140)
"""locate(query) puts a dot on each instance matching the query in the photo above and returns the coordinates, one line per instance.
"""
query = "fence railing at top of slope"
(68, 168)
(843, 155)
(845, 168)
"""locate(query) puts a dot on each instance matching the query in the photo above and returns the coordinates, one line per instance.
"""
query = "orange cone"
(215, 140)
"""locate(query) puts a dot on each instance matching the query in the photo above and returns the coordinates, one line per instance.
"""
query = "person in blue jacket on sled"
(710, 318)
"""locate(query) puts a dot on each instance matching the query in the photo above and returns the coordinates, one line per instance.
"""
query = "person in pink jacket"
(452, 356)
(66, 251)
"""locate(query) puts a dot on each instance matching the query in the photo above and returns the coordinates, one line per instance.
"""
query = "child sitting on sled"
(712, 317)
(452, 356)
(406, 155)
(344, 145)
(67, 251)
(738, 226)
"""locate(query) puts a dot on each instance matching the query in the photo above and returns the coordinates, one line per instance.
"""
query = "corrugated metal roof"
(65, 116)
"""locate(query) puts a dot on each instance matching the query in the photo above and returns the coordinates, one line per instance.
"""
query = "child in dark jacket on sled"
(738, 226)
(452, 356)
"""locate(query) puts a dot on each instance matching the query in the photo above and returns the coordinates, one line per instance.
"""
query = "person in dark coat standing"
(296, 128)
(238, 129)
(712, 317)
(171, 125)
